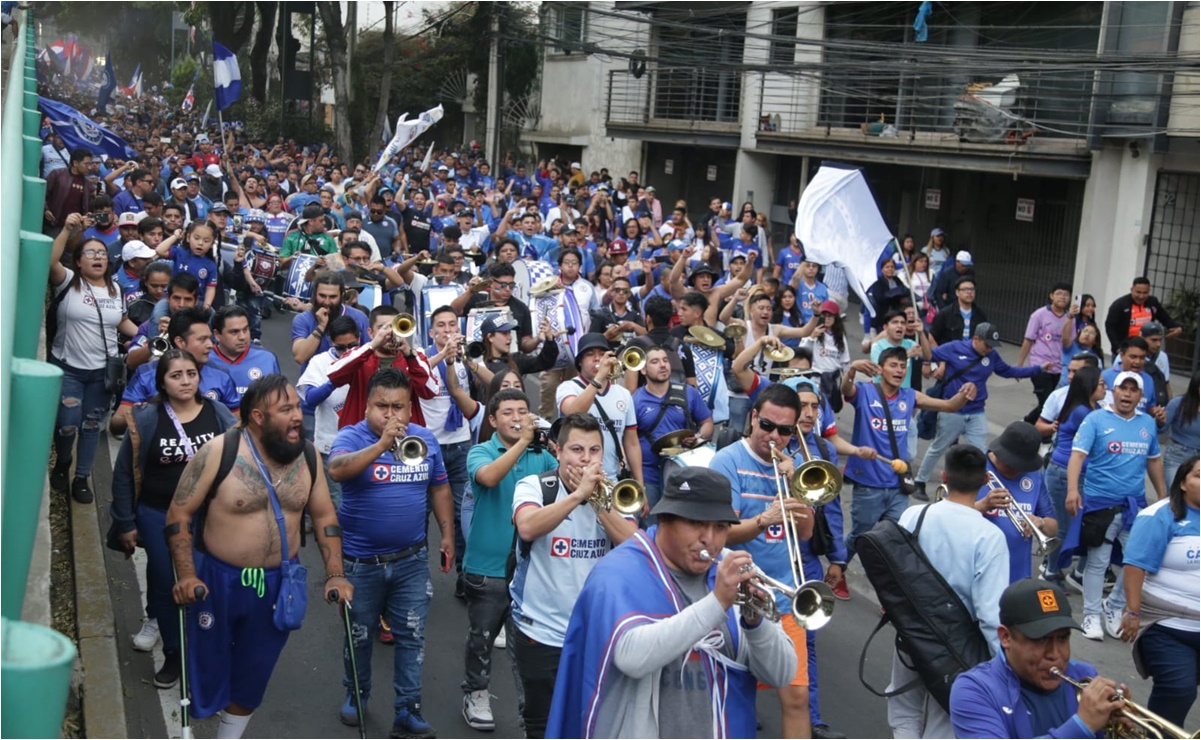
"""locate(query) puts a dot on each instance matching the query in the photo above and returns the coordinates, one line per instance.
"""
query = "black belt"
(386, 558)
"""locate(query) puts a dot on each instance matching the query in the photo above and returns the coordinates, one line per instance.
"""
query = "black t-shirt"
(607, 317)
(416, 225)
(521, 312)
(167, 458)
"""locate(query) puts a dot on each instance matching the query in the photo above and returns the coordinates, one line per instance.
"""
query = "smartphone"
(445, 563)
(164, 139)
(237, 223)
(1076, 300)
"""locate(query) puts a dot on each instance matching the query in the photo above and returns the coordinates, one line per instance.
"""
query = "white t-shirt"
(325, 425)
(619, 408)
(586, 298)
(80, 343)
(556, 212)
(438, 408)
(546, 584)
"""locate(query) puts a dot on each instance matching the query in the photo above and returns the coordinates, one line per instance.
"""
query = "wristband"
(595, 384)
(333, 530)
(332, 576)
(1134, 614)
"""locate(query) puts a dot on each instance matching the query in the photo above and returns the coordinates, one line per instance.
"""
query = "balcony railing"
(675, 98)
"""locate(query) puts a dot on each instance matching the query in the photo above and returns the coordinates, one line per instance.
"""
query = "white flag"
(838, 223)
(425, 163)
(407, 132)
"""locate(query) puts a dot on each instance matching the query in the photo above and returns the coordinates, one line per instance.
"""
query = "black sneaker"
(265, 313)
(824, 731)
(81, 491)
(168, 675)
(920, 494)
(60, 479)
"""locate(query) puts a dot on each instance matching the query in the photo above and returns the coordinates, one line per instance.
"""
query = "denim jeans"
(82, 404)
(400, 591)
(972, 427)
(488, 603)
(1098, 563)
(1056, 479)
(1171, 658)
(872, 505)
(160, 579)
(253, 305)
(538, 667)
(454, 457)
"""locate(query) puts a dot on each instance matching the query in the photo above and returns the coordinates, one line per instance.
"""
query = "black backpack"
(934, 628)
(550, 492)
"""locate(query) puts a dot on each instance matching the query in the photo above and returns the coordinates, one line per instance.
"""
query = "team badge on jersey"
(206, 620)
(560, 547)
(202, 273)
(877, 424)
(902, 406)
(211, 395)
(1144, 434)
(255, 373)
(984, 362)
(1027, 484)
(1115, 447)
(774, 532)
(380, 473)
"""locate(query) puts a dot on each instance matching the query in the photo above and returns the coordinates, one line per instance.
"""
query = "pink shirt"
(1045, 331)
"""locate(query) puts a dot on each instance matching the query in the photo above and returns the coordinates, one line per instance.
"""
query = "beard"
(276, 444)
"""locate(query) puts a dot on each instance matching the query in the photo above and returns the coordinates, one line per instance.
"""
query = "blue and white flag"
(227, 78)
(839, 223)
(110, 84)
(407, 132)
(78, 131)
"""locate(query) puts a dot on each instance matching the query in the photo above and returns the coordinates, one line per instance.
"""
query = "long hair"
(76, 283)
(777, 309)
(1176, 491)
(164, 366)
(1080, 392)
(492, 389)
(1186, 413)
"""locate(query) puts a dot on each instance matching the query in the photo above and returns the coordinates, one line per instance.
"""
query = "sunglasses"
(503, 286)
(344, 348)
(770, 426)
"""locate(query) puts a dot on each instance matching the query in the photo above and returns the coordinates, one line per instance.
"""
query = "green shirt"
(906, 344)
(297, 241)
(491, 535)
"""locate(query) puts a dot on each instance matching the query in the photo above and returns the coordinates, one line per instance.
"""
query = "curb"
(102, 692)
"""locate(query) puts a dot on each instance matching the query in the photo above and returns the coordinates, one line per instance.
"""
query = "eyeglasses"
(619, 290)
(770, 426)
(374, 212)
(967, 290)
(93, 254)
(502, 286)
(343, 348)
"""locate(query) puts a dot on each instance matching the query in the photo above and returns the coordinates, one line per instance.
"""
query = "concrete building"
(1054, 141)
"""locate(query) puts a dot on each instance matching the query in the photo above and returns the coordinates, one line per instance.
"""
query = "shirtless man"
(235, 564)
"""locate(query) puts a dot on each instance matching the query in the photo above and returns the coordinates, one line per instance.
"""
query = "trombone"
(818, 597)
(1021, 520)
(410, 451)
(812, 607)
(627, 497)
(1148, 723)
(631, 359)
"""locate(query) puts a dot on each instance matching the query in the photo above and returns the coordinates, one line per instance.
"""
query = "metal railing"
(35, 661)
(674, 98)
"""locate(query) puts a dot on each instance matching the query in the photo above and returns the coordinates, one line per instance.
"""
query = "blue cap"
(675, 246)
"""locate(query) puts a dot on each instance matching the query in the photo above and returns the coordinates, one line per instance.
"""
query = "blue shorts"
(233, 643)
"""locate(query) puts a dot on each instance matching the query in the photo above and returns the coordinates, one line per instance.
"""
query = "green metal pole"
(34, 400)
(32, 121)
(33, 198)
(33, 269)
(32, 154)
(35, 675)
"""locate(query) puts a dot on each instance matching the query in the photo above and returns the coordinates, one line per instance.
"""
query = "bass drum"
(701, 457)
(297, 286)
(529, 272)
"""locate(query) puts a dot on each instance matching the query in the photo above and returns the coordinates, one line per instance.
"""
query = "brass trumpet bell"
(626, 497)
(411, 450)
(404, 325)
(159, 345)
(815, 481)
(631, 359)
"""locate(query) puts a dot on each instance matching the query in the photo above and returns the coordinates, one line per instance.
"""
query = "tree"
(231, 23)
(385, 87)
(335, 43)
(262, 44)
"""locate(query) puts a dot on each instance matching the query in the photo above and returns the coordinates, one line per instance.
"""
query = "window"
(567, 26)
(783, 23)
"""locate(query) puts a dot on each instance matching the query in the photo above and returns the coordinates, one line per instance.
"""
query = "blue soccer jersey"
(1118, 450)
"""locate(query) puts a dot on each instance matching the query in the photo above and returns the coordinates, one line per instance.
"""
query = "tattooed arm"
(190, 494)
(321, 509)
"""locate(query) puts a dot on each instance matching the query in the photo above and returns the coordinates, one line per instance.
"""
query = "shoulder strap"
(229, 455)
(863, 659)
(675, 397)
(600, 410)
(892, 435)
(550, 491)
(977, 361)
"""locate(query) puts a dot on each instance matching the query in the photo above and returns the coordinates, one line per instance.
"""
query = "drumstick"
(898, 466)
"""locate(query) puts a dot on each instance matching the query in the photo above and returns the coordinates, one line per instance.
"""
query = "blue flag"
(227, 78)
(78, 131)
(110, 84)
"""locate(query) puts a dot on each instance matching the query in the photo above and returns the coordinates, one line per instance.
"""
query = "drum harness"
(677, 395)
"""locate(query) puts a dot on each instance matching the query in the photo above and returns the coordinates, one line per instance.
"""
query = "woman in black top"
(165, 435)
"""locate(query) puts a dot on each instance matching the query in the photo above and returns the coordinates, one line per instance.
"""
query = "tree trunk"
(262, 45)
(232, 24)
(335, 41)
(385, 91)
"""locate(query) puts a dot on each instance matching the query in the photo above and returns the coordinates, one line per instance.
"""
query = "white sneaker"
(1092, 627)
(1113, 620)
(477, 711)
(147, 637)
(500, 642)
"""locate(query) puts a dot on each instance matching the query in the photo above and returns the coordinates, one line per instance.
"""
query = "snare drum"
(264, 261)
(697, 457)
(529, 272)
(297, 286)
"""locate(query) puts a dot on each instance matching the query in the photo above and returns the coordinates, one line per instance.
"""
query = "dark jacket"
(1117, 321)
(942, 290)
(987, 702)
(948, 323)
(127, 473)
(527, 363)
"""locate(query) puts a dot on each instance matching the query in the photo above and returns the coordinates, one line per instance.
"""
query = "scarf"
(454, 417)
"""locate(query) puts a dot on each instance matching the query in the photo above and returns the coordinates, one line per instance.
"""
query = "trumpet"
(404, 325)
(411, 450)
(1146, 722)
(475, 350)
(159, 345)
(627, 497)
(632, 359)
(1021, 520)
(812, 601)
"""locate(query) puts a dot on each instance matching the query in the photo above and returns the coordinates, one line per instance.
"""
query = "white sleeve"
(528, 491)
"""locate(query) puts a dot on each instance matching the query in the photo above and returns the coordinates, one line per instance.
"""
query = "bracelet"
(1134, 614)
(332, 576)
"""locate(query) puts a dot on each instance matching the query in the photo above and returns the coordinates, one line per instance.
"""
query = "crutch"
(332, 597)
(185, 702)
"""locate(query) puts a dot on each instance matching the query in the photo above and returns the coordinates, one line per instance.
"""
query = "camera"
(569, 200)
(541, 441)
(102, 218)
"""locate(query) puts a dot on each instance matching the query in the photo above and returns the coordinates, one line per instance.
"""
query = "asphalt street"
(306, 690)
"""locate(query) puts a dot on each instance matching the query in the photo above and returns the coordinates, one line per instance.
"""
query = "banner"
(77, 131)
(227, 77)
(838, 223)
(110, 84)
(407, 132)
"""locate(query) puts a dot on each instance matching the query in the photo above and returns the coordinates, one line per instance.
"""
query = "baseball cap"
(697, 493)
(312, 210)
(190, 176)
(575, 165)
(443, 168)
(830, 307)
(202, 138)
(1152, 329)
(493, 324)
(989, 333)
(179, 182)
(213, 170)
(675, 246)
(727, 206)
(136, 249)
(129, 218)
(219, 208)
(619, 246)
(738, 254)
(963, 256)
(702, 269)
(352, 214)
(650, 189)
(1036, 608)
(936, 232)
(1127, 375)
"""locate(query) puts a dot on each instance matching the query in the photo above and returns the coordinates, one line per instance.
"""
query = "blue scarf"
(454, 417)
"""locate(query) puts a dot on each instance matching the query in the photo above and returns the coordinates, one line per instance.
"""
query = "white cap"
(129, 218)
(1127, 375)
(136, 250)
(575, 165)
(179, 182)
(963, 257)
(213, 170)
(202, 138)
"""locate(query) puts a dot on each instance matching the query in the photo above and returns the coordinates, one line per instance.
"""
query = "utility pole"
(495, 90)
